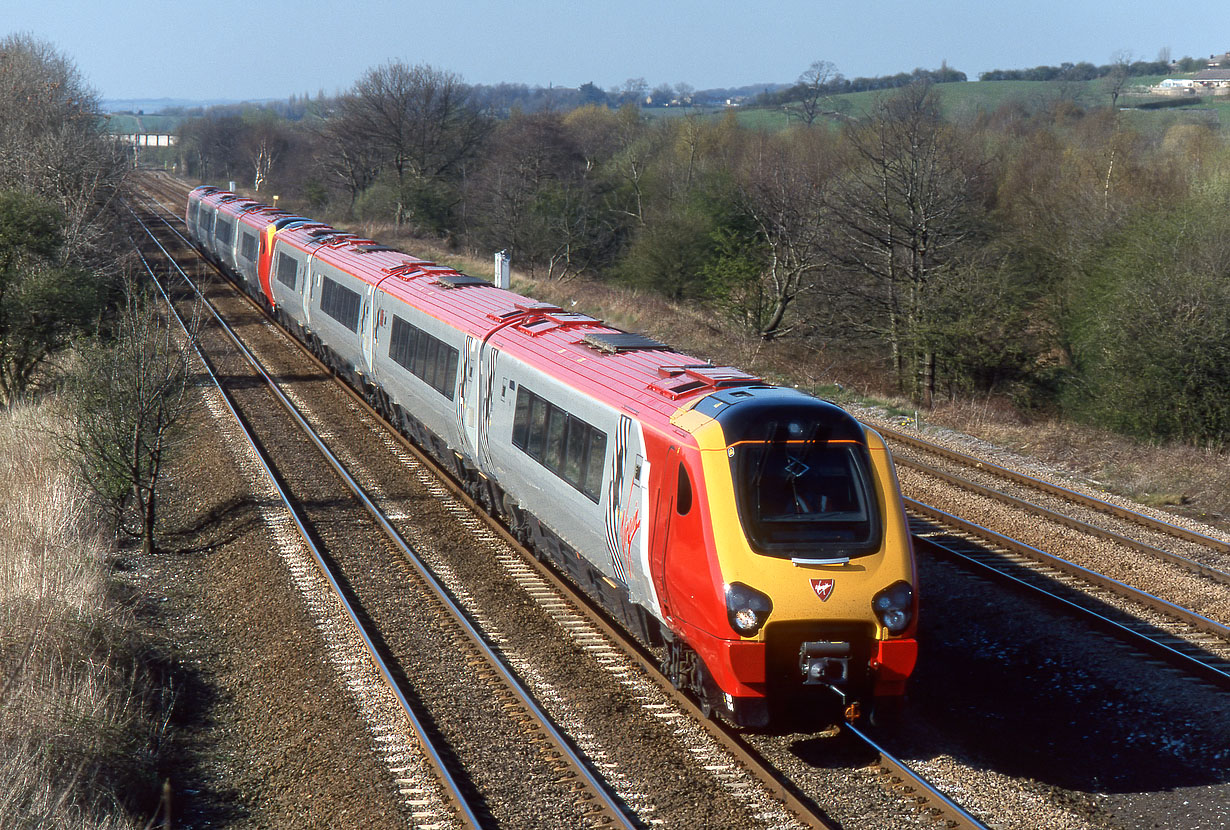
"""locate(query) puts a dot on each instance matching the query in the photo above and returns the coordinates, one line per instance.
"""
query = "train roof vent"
(455, 280)
(676, 381)
(538, 322)
(524, 309)
(404, 269)
(371, 248)
(615, 342)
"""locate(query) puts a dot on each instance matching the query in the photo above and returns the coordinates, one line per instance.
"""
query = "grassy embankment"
(79, 718)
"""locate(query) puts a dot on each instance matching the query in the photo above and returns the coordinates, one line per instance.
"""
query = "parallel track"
(1194, 643)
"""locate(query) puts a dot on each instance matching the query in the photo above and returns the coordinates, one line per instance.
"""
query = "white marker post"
(503, 270)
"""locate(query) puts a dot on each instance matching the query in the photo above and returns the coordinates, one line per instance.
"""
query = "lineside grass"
(79, 712)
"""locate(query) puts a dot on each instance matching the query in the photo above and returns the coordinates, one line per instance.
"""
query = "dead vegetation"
(80, 721)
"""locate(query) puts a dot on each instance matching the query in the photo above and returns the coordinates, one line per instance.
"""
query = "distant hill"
(153, 106)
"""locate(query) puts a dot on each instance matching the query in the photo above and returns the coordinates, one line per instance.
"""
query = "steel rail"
(1055, 489)
(1216, 574)
(952, 812)
(1210, 671)
(610, 804)
(430, 750)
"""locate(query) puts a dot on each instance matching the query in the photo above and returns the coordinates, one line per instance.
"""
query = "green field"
(963, 101)
(127, 124)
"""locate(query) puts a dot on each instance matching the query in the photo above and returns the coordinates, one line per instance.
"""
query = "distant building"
(1207, 81)
(1215, 80)
(150, 140)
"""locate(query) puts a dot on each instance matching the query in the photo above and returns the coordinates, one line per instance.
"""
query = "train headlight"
(747, 608)
(894, 607)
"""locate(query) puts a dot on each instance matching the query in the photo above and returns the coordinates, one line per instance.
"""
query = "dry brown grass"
(76, 734)
(1197, 481)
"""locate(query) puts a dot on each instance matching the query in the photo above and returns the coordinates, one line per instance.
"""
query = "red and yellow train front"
(795, 578)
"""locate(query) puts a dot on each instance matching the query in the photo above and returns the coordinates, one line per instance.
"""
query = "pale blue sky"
(237, 49)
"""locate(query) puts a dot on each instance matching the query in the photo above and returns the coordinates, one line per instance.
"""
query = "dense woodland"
(1049, 251)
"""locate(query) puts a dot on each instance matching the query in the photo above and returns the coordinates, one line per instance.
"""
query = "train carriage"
(755, 534)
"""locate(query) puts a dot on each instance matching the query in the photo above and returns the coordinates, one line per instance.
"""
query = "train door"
(309, 282)
(486, 391)
(663, 520)
(467, 401)
(366, 333)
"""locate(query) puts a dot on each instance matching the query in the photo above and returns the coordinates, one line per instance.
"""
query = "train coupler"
(824, 663)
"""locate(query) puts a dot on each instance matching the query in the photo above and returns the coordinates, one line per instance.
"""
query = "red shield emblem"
(823, 588)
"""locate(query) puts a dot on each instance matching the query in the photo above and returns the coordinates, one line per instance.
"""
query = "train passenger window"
(288, 270)
(223, 232)
(538, 427)
(574, 456)
(521, 421)
(427, 357)
(340, 303)
(553, 456)
(561, 442)
(247, 246)
(450, 373)
(683, 494)
(594, 459)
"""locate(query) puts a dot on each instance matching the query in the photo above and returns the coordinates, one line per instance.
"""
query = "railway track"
(1159, 585)
(1191, 642)
(573, 779)
(588, 627)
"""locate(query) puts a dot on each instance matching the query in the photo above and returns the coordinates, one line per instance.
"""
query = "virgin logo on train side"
(823, 588)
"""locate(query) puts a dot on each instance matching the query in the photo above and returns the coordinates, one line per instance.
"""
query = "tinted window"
(683, 495)
(563, 443)
(247, 246)
(798, 494)
(427, 357)
(594, 461)
(538, 427)
(288, 268)
(521, 421)
(340, 303)
(553, 457)
(574, 454)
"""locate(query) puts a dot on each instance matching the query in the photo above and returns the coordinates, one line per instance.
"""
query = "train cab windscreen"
(803, 494)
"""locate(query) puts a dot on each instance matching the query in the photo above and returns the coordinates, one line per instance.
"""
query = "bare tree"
(906, 210)
(51, 142)
(131, 396)
(783, 187)
(264, 143)
(422, 121)
(1117, 80)
(349, 156)
(815, 90)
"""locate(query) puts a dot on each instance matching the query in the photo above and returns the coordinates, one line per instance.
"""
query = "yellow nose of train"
(809, 564)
